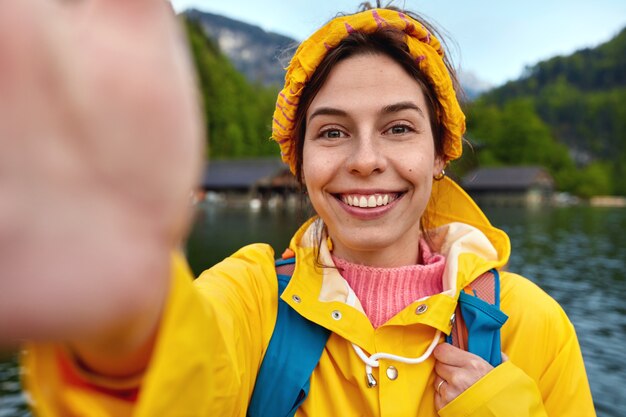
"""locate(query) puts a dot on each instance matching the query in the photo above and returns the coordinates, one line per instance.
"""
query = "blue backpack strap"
(295, 348)
(478, 319)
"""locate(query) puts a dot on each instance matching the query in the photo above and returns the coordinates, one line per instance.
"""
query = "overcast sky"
(495, 39)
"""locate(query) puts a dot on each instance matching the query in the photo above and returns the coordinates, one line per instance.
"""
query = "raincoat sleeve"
(209, 347)
(545, 374)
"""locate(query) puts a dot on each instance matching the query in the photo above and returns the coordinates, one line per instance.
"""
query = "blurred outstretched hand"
(100, 146)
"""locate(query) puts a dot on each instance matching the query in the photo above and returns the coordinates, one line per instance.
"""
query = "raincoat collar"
(457, 229)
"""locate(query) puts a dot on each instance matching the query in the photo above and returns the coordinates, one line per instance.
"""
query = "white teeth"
(374, 200)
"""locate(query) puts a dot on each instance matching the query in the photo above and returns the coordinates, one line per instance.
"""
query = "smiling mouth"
(368, 201)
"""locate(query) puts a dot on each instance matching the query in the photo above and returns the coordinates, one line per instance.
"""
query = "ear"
(438, 165)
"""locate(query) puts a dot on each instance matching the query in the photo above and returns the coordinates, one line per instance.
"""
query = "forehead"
(368, 80)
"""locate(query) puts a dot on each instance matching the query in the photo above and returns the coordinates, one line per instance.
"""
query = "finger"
(21, 31)
(27, 74)
(438, 383)
(445, 371)
(127, 15)
(454, 356)
(444, 393)
(439, 399)
(439, 402)
(504, 357)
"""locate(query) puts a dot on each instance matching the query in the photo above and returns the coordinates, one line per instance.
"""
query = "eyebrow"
(403, 105)
(327, 111)
(392, 108)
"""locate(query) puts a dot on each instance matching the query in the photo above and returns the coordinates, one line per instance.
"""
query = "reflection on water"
(219, 231)
(576, 254)
(12, 400)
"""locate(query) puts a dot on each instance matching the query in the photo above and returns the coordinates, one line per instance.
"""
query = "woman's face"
(369, 160)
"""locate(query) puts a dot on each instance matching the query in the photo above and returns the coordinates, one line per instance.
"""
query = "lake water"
(576, 254)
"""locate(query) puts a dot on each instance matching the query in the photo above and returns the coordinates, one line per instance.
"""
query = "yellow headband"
(423, 46)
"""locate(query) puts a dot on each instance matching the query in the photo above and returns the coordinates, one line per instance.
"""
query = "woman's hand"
(100, 146)
(456, 370)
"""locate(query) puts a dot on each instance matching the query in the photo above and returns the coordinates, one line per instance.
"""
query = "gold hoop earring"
(440, 176)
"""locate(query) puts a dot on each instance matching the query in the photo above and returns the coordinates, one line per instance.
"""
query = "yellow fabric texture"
(215, 330)
(423, 46)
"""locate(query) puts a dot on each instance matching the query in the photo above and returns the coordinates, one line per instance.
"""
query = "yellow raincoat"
(215, 330)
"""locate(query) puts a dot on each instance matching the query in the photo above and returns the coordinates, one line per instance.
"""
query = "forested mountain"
(567, 113)
(238, 113)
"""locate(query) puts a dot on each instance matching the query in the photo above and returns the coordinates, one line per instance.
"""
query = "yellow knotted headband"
(423, 46)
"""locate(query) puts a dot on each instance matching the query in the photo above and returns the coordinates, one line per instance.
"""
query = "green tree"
(594, 179)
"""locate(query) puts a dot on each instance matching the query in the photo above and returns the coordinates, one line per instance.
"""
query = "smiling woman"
(351, 320)
(368, 140)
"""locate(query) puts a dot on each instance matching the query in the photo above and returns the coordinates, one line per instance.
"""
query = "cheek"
(416, 165)
(311, 168)
(306, 165)
(317, 163)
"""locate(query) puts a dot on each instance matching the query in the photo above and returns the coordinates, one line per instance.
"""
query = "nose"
(367, 157)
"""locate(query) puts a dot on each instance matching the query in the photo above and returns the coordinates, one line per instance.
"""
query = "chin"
(365, 244)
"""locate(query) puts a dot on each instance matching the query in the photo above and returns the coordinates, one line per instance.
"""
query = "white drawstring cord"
(372, 361)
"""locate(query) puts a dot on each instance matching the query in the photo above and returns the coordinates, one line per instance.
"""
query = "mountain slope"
(253, 51)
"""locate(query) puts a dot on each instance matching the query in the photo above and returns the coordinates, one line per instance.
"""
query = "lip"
(368, 213)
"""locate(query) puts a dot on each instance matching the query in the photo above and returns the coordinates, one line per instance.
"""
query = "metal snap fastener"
(336, 314)
(296, 298)
(392, 373)
(421, 309)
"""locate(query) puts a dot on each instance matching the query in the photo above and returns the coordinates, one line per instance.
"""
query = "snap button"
(392, 373)
(336, 314)
(296, 298)
(421, 309)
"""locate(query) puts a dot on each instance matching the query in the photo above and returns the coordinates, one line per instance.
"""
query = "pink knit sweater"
(383, 292)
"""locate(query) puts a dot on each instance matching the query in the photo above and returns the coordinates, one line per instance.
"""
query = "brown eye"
(399, 130)
(331, 134)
